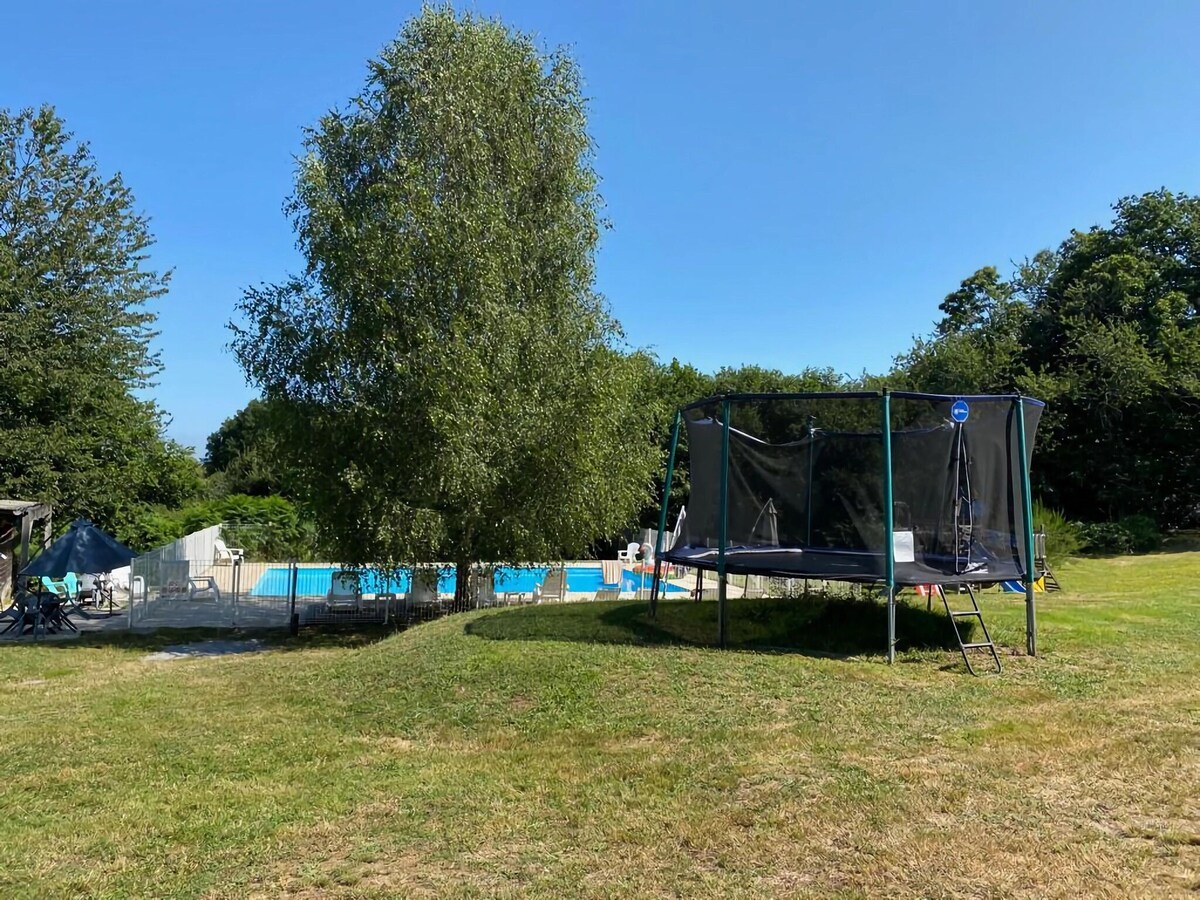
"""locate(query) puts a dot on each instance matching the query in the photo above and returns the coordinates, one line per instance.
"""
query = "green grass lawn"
(587, 751)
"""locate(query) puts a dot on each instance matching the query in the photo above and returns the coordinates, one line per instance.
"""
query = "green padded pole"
(1027, 516)
(662, 515)
(723, 528)
(889, 538)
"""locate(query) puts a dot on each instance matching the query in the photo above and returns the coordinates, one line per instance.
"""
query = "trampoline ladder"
(973, 612)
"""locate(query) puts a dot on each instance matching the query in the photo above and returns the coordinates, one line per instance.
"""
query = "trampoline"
(891, 488)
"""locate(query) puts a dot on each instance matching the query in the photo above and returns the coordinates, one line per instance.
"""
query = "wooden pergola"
(18, 519)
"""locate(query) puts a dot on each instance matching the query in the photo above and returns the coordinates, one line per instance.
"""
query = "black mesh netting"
(806, 487)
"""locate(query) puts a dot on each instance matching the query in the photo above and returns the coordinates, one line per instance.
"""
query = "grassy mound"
(589, 751)
(842, 625)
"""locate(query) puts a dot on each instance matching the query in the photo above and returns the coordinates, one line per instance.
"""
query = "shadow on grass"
(310, 638)
(816, 625)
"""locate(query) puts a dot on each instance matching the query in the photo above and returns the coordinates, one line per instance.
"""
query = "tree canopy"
(450, 386)
(1106, 329)
(240, 455)
(74, 289)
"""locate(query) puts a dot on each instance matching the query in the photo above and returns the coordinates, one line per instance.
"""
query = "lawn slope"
(587, 751)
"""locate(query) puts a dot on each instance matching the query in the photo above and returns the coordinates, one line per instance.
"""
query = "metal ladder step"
(964, 646)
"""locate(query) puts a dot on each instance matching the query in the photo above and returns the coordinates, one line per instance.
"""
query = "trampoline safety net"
(806, 483)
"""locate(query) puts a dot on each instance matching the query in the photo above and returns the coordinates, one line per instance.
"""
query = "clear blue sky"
(790, 184)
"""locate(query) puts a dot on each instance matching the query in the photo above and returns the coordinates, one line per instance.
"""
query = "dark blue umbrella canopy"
(85, 549)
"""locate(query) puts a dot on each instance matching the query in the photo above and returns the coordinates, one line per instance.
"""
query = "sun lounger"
(345, 591)
(553, 588)
(423, 595)
(483, 589)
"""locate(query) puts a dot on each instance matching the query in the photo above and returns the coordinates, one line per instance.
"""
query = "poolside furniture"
(389, 603)
(14, 614)
(629, 555)
(345, 591)
(87, 589)
(553, 588)
(52, 611)
(483, 588)
(64, 588)
(39, 613)
(226, 555)
(424, 593)
(102, 591)
(607, 593)
(203, 587)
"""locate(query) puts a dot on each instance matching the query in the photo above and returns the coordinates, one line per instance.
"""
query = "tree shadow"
(275, 639)
(815, 625)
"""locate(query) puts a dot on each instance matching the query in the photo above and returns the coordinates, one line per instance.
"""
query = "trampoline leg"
(1030, 620)
(891, 619)
(722, 618)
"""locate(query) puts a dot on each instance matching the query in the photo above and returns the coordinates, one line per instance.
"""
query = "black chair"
(54, 618)
(14, 615)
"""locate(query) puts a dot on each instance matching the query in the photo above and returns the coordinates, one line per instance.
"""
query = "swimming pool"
(316, 581)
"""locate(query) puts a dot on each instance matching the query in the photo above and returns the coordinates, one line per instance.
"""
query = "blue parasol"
(84, 549)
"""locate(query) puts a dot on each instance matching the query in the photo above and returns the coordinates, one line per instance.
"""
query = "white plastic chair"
(223, 553)
(628, 556)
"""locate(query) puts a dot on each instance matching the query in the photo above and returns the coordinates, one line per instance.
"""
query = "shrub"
(265, 527)
(1143, 532)
(1132, 534)
(1105, 538)
(1062, 536)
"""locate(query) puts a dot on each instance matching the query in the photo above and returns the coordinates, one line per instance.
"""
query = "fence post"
(236, 562)
(294, 577)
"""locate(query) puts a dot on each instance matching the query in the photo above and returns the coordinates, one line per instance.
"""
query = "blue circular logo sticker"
(960, 411)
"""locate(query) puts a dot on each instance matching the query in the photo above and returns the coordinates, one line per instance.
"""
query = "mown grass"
(589, 751)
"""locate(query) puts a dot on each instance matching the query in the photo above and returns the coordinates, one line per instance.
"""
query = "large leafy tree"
(76, 333)
(1107, 329)
(449, 385)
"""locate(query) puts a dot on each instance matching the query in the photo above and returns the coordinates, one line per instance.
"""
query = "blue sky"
(789, 184)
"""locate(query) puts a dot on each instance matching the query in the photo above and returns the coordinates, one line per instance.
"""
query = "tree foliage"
(240, 456)
(449, 385)
(76, 333)
(270, 528)
(1106, 329)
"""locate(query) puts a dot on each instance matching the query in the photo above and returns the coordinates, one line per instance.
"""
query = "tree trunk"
(464, 594)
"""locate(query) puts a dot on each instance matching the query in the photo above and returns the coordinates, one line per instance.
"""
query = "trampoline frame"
(888, 580)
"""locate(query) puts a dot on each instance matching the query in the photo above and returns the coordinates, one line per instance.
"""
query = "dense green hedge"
(266, 527)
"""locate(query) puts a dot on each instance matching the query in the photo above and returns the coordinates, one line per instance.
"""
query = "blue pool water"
(316, 582)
